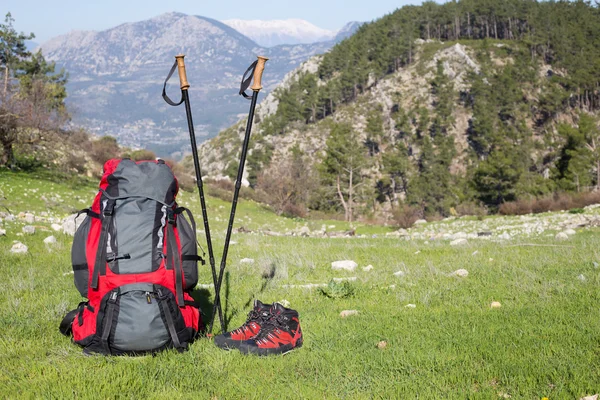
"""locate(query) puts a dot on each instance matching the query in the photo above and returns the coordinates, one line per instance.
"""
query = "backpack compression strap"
(100, 264)
(108, 319)
(181, 210)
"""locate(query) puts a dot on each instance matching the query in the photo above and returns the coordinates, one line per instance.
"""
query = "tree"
(288, 183)
(579, 162)
(343, 164)
(34, 101)
(12, 48)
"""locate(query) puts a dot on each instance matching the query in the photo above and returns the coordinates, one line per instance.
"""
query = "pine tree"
(343, 165)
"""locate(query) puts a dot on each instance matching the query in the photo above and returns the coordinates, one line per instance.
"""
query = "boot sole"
(246, 349)
(227, 344)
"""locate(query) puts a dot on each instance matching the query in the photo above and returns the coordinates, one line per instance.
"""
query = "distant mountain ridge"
(116, 76)
(275, 32)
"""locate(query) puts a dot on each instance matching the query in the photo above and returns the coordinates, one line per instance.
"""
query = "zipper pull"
(148, 298)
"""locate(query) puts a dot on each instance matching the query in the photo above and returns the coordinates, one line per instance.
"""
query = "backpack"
(135, 259)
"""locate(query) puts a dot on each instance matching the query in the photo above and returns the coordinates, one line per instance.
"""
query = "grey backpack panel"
(137, 232)
(139, 325)
(189, 252)
(78, 257)
(151, 180)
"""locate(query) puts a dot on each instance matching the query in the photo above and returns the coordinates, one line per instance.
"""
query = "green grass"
(543, 342)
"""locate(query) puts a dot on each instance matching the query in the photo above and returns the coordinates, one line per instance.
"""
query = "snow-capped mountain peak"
(275, 32)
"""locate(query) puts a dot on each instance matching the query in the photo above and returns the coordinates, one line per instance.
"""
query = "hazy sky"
(51, 18)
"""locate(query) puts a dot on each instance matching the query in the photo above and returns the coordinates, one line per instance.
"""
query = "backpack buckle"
(171, 216)
(109, 209)
(113, 297)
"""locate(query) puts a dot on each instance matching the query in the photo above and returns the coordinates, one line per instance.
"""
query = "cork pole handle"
(258, 72)
(181, 69)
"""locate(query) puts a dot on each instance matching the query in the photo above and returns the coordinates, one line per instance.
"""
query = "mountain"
(471, 113)
(347, 30)
(275, 32)
(116, 77)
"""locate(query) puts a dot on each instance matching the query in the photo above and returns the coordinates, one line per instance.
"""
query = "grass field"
(543, 342)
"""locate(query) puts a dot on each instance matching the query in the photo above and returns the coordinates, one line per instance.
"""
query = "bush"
(470, 208)
(142, 155)
(405, 216)
(186, 181)
(557, 202)
(104, 149)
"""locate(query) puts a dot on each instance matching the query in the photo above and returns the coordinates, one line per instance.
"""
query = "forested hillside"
(467, 104)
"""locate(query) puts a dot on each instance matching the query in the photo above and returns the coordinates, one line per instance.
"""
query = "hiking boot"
(280, 334)
(256, 317)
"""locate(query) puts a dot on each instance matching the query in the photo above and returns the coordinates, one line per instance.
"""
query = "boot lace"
(272, 324)
(253, 316)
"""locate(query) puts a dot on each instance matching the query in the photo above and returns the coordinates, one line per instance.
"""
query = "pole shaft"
(200, 185)
(238, 184)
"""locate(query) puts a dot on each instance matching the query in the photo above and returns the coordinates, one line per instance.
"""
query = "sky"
(48, 18)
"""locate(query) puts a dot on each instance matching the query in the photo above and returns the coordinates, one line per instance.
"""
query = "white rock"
(475, 253)
(399, 273)
(304, 231)
(570, 232)
(504, 236)
(420, 222)
(348, 265)
(348, 313)
(247, 261)
(392, 287)
(18, 248)
(418, 252)
(581, 278)
(459, 242)
(594, 397)
(10, 218)
(2, 232)
(56, 227)
(28, 229)
(205, 285)
(410, 306)
(459, 235)
(50, 240)
(561, 236)
(284, 303)
(495, 304)
(349, 279)
(463, 273)
(307, 286)
(70, 224)
(29, 218)
(368, 268)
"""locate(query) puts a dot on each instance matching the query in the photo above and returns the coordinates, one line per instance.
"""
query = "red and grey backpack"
(135, 259)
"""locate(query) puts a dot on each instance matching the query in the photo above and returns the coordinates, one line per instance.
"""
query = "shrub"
(471, 208)
(104, 149)
(557, 202)
(405, 216)
(142, 155)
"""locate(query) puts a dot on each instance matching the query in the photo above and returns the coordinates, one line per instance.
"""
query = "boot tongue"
(277, 308)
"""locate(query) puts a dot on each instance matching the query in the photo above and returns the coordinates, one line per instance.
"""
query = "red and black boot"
(256, 317)
(280, 334)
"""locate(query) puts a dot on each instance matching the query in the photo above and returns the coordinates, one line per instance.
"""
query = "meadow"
(450, 343)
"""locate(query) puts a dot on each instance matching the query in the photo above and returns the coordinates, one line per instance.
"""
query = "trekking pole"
(254, 72)
(180, 65)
